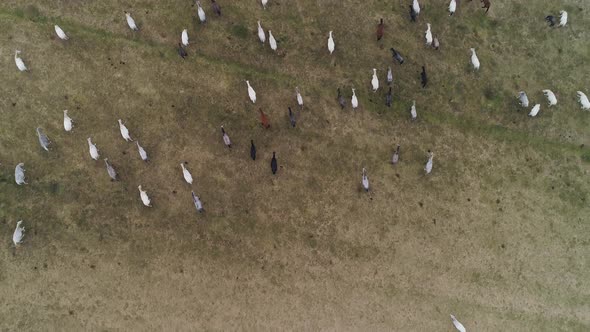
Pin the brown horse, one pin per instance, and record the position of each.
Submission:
(380, 29)
(486, 4)
(264, 120)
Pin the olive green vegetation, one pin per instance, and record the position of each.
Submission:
(497, 234)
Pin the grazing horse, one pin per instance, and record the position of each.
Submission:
(413, 14)
(181, 51)
(424, 77)
(395, 157)
(252, 150)
(197, 202)
(486, 4)
(273, 163)
(389, 98)
(216, 7)
(341, 100)
(397, 56)
(365, 180)
(292, 118)
(380, 29)
(389, 76)
(264, 120)
(226, 139)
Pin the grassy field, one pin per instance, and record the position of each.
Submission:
(498, 234)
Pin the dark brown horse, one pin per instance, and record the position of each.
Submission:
(380, 29)
(264, 120)
(486, 4)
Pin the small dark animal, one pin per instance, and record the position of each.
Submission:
(551, 20)
(486, 4)
(397, 56)
(292, 118)
(182, 51)
(273, 164)
(388, 98)
(424, 77)
(341, 100)
(412, 14)
(216, 7)
(252, 150)
(380, 28)
(264, 120)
